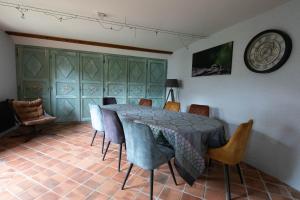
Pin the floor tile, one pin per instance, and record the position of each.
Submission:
(61, 164)
(110, 187)
(169, 193)
(196, 190)
(49, 196)
(81, 192)
(186, 196)
(97, 196)
(277, 189)
(65, 187)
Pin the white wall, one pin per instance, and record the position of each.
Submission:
(8, 85)
(272, 100)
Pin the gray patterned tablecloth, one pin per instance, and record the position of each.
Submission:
(188, 134)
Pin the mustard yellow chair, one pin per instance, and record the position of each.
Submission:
(172, 106)
(233, 152)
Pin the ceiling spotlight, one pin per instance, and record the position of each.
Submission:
(101, 15)
(22, 11)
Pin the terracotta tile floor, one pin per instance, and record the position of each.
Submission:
(61, 164)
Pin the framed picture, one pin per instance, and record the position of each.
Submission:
(213, 61)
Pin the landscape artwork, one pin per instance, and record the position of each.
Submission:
(213, 61)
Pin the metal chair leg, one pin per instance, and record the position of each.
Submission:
(151, 183)
(240, 173)
(33, 133)
(94, 138)
(120, 156)
(127, 175)
(227, 182)
(172, 172)
(106, 150)
(103, 140)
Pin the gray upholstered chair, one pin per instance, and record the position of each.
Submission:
(109, 100)
(143, 151)
(97, 122)
(113, 131)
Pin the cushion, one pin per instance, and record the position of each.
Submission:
(40, 120)
(7, 117)
(28, 110)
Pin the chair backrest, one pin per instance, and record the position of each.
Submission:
(141, 148)
(172, 106)
(109, 100)
(113, 126)
(237, 144)
(96, 117)
(199, 109)
(145, 102)
(28, 110)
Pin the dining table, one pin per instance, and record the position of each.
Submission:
(188, 134)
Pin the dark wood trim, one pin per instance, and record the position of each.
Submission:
(100, 44)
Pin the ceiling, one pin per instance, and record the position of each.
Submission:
(201, 17)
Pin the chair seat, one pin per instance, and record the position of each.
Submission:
(167, 152)
(41, 120)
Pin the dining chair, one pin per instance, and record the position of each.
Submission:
(109, 100)
(143, 151)
(172, 106)
(145, 102)
(199, 109)
(97, 122)
(233, 152)
(113, 131)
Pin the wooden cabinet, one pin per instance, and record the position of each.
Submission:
(137, 79)
(65, 85)
(157, 74)
(68, 81)
(33, 74)
(91, 81)
(115, 79)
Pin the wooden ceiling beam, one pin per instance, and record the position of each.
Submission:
(85, 42)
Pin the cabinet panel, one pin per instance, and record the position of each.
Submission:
(137, 78)
(65, 83)
(156, 91)
(136, 90)
(156, 77)
(91, 90)
(156, 71)
(85, 110)
(133, 101)
(116, 78)
(158, 103)
(67, 109)
(137, 70)
(91, 70)
(33, 74)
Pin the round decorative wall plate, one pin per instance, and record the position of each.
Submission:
(268, 51)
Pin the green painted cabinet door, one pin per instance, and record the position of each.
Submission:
(116, 78)
(65, 83)
(91, 73)
(156, 77)
(137, 78)
(33, 74)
